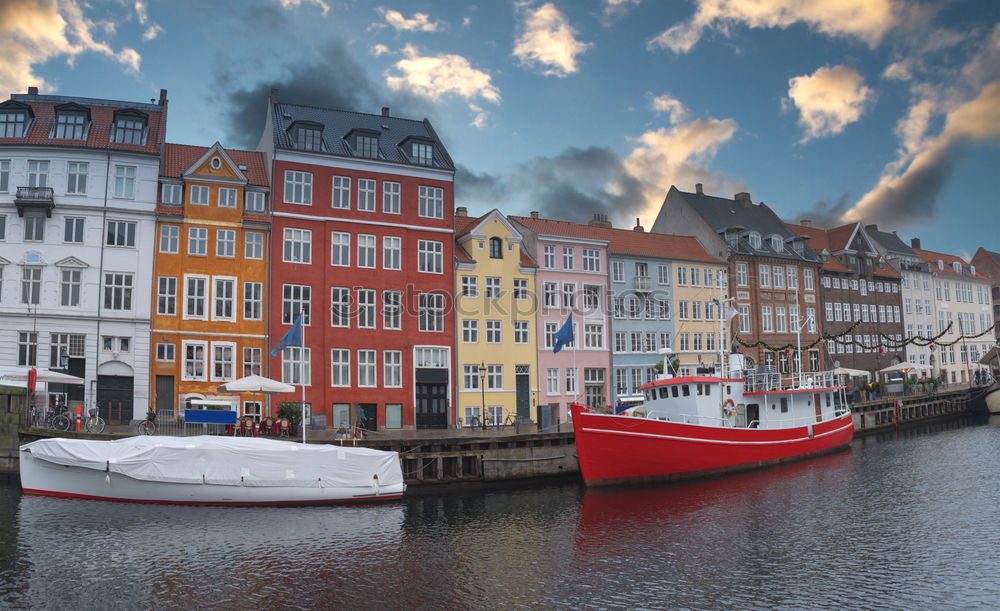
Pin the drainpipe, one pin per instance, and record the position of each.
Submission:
(100, 277)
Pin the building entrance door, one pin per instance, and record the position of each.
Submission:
(522, 393)
(432, 399)
(114, 398)
(165, 393)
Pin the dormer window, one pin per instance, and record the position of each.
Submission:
(731, 239)
(798, 246)
(366, 146)
(307, 136)
(956, 267)
(496, 248)
(777, 244)
(754, 239)
(14, 119)
(129, 127)
(72, 121)
(972, 270)
(941, 264)
(422, 153)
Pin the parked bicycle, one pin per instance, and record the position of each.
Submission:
(147, 426)
(51, 419)
(94, 423)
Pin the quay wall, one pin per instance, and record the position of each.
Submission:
(891, 412)
(9, 436)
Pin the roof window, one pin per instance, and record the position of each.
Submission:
(422, 153)
(307, 136)
(15, 118)
(72, 122)
(777, 243)
(366, 145)
(130, 127)
(754, 239)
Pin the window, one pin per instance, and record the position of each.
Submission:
(38, 173)
(366, 146)
(27, 348)
(807, 279)
(223, 361)
(663, 274)
(777, 244)
(12, 123)
(765, 275)
(550, 294)
(744, 318)
(430, 256)
(253, 295)
(129, 128)
(76, 177)
(341, 192)
(170, 194)
(340, 249)
(366, 308)
(366, 368)
(366, 195)
(118, 291)
(782, 325)
(166, 296)
(520, 332)
(197, 241)
(392, 309)
(520, 288)
(549, 257)
(494, 377)
(366, 250)
(470, 377)
(754, 238)
(695, 276)
(225, 243)
(550, 333)
(779, 277)
(121, 233)
(567, 253)
(308, 138)
(165, 352)
(593, 336)
(340, 367)
(295, 366)
(470, 331)
(571, 381)
(765, 313)
(492, 287)
(618, 271)
(251, 361)
(124, 181)
(392, 368)
(70, 125)
(591, 260)
(493, 333)
(430, 202)
(297, 246)
(70, 287)
(169, 238)
(298, 187)
(295, 298)
(195, 296)
(552, 381)
(390, 197)
(391, 246)
(569, 295)
(254, 247)
(254, 201)
(422, 153)
(34, 228)
(227, 197)
(73, 230)
(470, 286)
(592, 298)
(431, 311)
(682, 275)
(340, 307)
(4, 167)
(496, 248)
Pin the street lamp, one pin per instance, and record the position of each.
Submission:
(482, 388)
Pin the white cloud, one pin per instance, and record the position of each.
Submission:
(617, 7)
(828, 100)
(420, 22)
(867, 20)
(480, 119)
(666, 103)
(152, 32)
(898, 71)
(292, 4)
(140, 11)
(547, 40)
(466, 22)
(435, 76)
(379, 49)
(33, 32)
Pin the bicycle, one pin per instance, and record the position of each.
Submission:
(147, 426)
(94, 423)
(60, 421)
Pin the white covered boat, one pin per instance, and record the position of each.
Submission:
(209, 470)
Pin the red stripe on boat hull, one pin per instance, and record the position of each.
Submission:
(618, 449)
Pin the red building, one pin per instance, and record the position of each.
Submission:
(362, 242)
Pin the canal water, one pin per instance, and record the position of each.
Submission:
(900, 521)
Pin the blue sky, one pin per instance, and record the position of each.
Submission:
(881, 110)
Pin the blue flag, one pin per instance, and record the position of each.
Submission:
(293, 337)
(564, 335)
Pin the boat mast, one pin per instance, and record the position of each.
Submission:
(798, 337)
(723, 365)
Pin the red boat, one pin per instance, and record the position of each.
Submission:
(704, 425)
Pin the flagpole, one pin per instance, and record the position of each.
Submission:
(302, 380)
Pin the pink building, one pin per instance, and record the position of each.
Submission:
(572, 278)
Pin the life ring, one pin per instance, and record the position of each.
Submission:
(728, 406)
(728, 403)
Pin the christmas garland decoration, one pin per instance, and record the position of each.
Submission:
(889, 342)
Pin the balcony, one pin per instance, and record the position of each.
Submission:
(642, 284)
(34, 198)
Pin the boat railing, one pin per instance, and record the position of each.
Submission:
(772, 380)
(702, 420)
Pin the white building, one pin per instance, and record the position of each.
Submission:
(78, 190)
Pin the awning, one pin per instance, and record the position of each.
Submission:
(212, 402)
(47, 376)
(853, 373)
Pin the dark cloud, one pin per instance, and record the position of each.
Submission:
(826, 214)
(570, 186)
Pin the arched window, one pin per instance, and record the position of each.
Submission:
(754, 239)
(777, 243)
(496, 248)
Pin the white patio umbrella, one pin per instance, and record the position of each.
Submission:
(20, 374)
(257, 385)
(853, 373)
(903, 367)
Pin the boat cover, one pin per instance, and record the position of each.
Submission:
(226, 461)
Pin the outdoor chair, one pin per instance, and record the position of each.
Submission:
(285, 429)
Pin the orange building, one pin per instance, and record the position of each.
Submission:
(209, 321)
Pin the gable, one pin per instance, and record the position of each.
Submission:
(71, 262)
(216, 164)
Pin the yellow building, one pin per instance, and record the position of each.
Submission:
(495, 307)
(698, 285)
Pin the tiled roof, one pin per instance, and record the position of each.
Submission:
(464, 224)
(993, 255)
(890, 241)
(625, 241)
(178, 158)
(102, 116)
(393, 132)
(837, 237)
(817, 238)
(885, 270)
(933, 257)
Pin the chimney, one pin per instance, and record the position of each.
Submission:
(806, 223)
(461, 211)
(698, 189)
(914, 242)
(274, 95)
(32, 90)
(638, 227)
(534, 214)
(743, 199)
(163, 97)
(385, 111)
(600, 220)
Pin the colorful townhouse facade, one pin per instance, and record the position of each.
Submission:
(773, 275)
(963, 312)
(362, 238)
(496, 338)
(209, 319)
(987, 263)
(572, 279)
(78, 188)
(860, 298)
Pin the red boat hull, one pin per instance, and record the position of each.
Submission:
(618, 449)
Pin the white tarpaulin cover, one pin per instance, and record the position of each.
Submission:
(225, 461)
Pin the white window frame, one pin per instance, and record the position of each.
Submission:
(391, 197)
(340, 367)
(340, 197)
(199, 195)
(298, 188)
(296, 238)
(367, 250)
(170, 239)
(430, 202)
(367, 190)
(204, 360)
(392, 247)
(340, 249)
(189, 280)
(197, 236)
(231, 347)
(253, 299)
(430, 257)
(227, 197)
(225, 243)
(253, 245)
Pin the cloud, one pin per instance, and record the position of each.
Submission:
(436, 76)
(420, 22)
(379, 49)
(615, 8)
(672, 106)
(828, 100)
(898, 71)
(140, 11)
(866, 20)
(547, 40)
(293, 4)
(33, 32)
(152, 32)
(480, 119)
